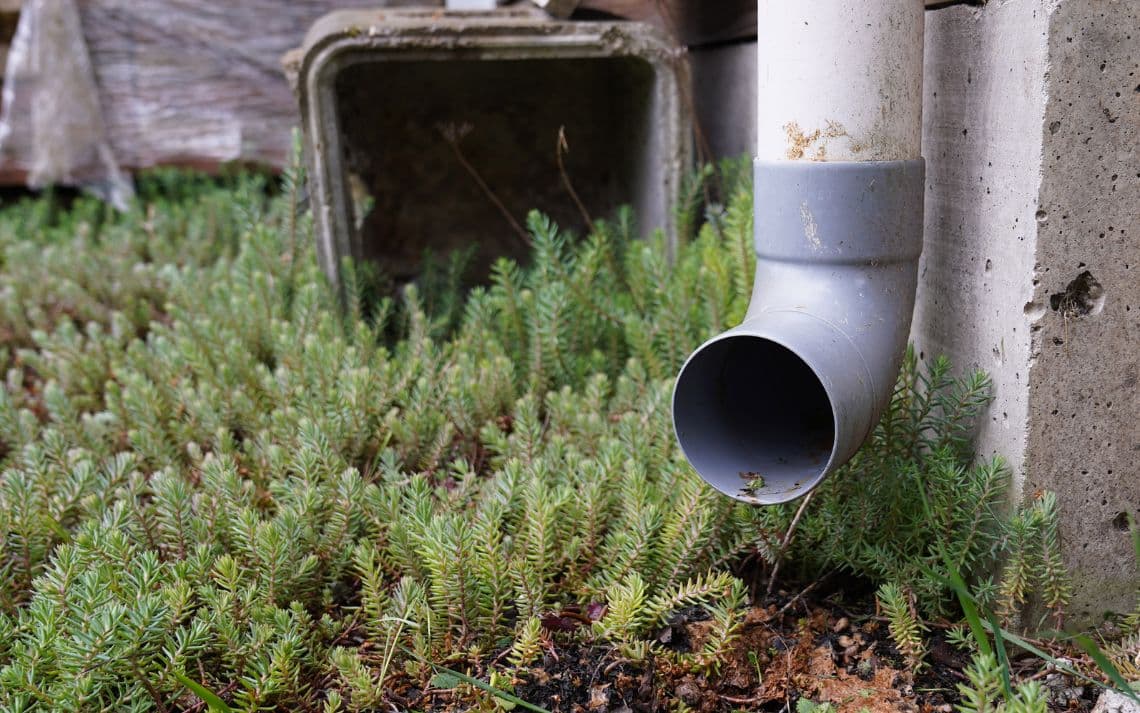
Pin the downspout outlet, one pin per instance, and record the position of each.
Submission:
(767, 410)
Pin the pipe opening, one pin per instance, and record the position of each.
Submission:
(754, 419)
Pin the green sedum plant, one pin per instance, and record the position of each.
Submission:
(905, 629)
(982, 693)
(214, 470)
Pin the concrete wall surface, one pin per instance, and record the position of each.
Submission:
(724, 95)
(1031, 266)
(1084, 416)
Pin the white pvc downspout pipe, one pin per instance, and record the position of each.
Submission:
(471, 5)
(767, 410)
(852, 64)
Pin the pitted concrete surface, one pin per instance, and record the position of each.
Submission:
(983, 107)
(1032, 138)
(1084, 395)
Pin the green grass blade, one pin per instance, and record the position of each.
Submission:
(1057, 663)
(1064, 667)
(447, 675)
(450, 678)
(955, 582)
(1089, 647)
(1002, 657)
(212, 700)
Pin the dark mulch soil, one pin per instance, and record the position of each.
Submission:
(824, 648)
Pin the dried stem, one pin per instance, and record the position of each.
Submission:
(453, 134)
(787, 540)
(563, 147)
(803, 593)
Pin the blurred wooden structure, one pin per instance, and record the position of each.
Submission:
(199, 82)
(193, 83)
(9, 16)
(691, 22)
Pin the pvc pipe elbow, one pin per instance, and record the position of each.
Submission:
(767, 410)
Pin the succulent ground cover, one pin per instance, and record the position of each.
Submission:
(221, 484)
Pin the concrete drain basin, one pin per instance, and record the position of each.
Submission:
(424, 129)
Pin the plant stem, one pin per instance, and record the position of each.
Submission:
(564, 147)
(787, 540)
(452, 137)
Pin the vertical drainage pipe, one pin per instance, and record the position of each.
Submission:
(767, 410)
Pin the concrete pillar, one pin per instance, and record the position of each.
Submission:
(1031, 267)
(724, 91)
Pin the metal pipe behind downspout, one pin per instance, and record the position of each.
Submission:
(767, 410)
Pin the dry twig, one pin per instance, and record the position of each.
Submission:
(787, 540)
(563, 147)
(453, 134)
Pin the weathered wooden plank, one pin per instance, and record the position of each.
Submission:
(9, 16)
(182, 82)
